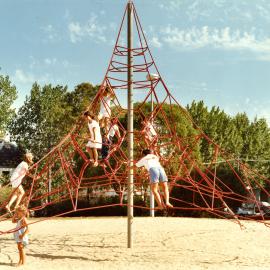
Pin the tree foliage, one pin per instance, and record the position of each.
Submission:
(50, 111)
(48, 114)
(80, 98)
(247, 141)
(8, 95)
(41, 121)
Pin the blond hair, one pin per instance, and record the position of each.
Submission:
(22, 208)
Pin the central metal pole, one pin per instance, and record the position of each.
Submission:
(152, 199)
(130, 123)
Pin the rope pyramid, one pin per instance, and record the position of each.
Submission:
(66, 171)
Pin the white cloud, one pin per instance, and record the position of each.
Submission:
(91, 28)
(26, 78)
(264, 57)
(151, 28)
(172, 5)
(219, 10)
(24, 81)
(22, 77)
(50, 61)
(33, 62)
(75, 32)
(194, 87)
(155, 42)
(263, 9)
(224, 38)
(50, 33)
(254, 108)
(40, 64)
(113, 26)
(161, 6)
(258, 109)
(66, 64)
(264, 113)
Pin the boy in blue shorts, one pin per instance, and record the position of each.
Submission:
(157, 175)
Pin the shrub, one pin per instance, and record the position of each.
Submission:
(4, 194)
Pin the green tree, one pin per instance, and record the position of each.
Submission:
(200, 115)
(237, 136)
(43, 120)
(81, 97)
(8, 95)
(257, 146)
(218, 127)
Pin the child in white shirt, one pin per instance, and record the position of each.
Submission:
(21, 233)
(16, 180)
(95, 140)
(108, 139)
(157, 175)
(105, 108)
(149, 132)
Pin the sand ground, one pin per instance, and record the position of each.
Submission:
(158, 243)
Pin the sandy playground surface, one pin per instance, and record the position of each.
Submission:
(159, 243)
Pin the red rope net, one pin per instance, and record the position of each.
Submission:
(66, 171)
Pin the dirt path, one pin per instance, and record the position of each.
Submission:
(159, 243)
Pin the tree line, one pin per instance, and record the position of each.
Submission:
(50, 111)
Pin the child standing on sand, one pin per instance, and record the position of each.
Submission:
(157, 175)
(21, 233)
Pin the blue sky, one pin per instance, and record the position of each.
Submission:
(215, 50)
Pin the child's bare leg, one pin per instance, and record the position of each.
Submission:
(165, 189)
(154, 188)
(106, 123)
(101, 122)
(95, 154)
(147, 141)
(21, 254)
(89, 150)
(12, 199)
(154, 147)
(20, 195)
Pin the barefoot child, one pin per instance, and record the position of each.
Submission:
(16, 180)
(107, 140)
(157, 175)
(95, 140)
(149, 132)
(21, 233)
(105, 108)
